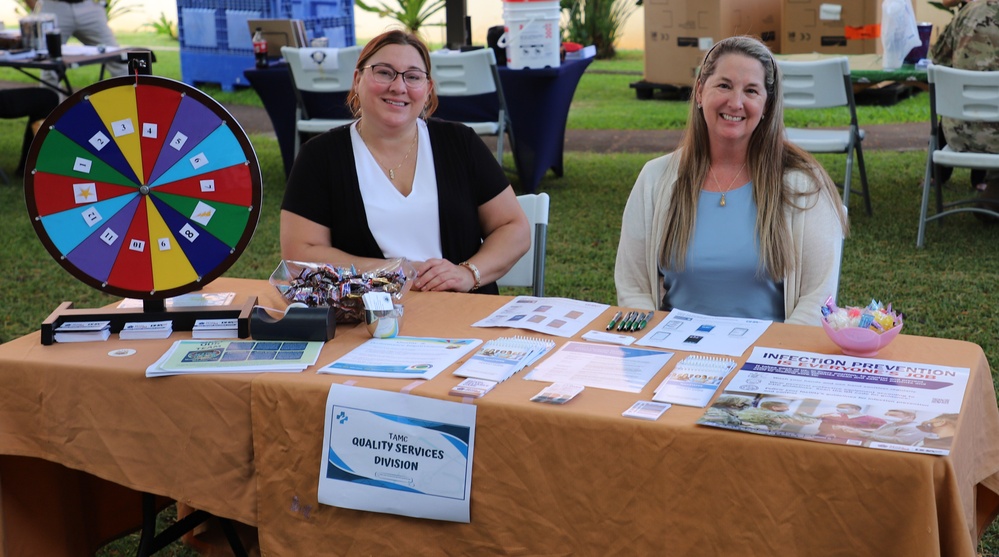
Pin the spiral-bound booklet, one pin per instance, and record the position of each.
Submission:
(694, 380)
(498, 359)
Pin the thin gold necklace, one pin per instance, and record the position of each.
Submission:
(721, 202)
(391, 171)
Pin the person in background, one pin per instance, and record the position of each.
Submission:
(87, 20)
(738, 221)
(395, 184)
(34, 102)
(970, 42)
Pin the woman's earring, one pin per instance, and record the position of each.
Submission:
(698, 106)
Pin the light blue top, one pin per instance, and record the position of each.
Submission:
(721, 273)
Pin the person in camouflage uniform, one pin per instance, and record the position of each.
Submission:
(971, 42)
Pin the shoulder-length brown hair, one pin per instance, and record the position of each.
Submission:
(769, 157)
(401, 38)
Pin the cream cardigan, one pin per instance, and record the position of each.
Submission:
(815, 232)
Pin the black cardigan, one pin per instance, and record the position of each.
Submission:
(323, 187)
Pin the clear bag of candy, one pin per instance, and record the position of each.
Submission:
(326, 285)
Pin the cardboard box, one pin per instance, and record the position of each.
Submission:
(831, 27)
(678, 33)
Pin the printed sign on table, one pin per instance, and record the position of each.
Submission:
(397, 453)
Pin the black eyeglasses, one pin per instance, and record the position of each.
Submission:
(385, 74)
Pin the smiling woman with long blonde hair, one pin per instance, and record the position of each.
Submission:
(737, 221)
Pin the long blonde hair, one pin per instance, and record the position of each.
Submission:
(769, 157)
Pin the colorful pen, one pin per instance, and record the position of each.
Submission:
(614, 321)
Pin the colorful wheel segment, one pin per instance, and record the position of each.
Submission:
(143, 187)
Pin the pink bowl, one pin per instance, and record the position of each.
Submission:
(865, 343)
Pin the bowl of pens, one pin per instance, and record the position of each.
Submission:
(862, 331)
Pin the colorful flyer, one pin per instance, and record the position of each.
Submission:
(834, 398)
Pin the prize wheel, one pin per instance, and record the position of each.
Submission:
(143, 187)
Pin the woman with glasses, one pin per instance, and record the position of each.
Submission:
(397, 184)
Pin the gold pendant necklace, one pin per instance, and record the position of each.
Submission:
(721, 202)
(391, 171)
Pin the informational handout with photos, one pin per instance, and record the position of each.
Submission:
(694, 332)
(235, 356)
(397, 453)
(561, 317)
(402, 357)
(833, 398)
(604, 366)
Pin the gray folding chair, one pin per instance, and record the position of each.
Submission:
(469, 91)
(962, 95)
(322, 79)
(530, 269)
(826, 84)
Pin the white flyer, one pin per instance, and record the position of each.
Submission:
(397, 453)
(694, 332)
(561, 317)
(604, 366)
(402, 357)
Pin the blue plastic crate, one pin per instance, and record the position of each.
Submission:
(215, 41)
(339, 30)
(306, 9)
(224, 69)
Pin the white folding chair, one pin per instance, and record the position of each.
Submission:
(962, 95)
(826, 84)
(322, 79)
(469, 91)
(530, 269)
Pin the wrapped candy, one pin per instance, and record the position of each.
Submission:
(342, 288)
(875, 316)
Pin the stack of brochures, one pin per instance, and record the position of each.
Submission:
(83, 331)
(499, 359)
(694, 380)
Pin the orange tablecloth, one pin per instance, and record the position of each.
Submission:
(573, 479)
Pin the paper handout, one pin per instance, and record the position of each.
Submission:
(402, 357)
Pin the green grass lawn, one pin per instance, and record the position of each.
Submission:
(946, 290)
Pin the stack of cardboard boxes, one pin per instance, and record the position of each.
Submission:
(678, 33)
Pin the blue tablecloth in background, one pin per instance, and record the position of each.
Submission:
(539, 107)
(275, 89)
(538, 101)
